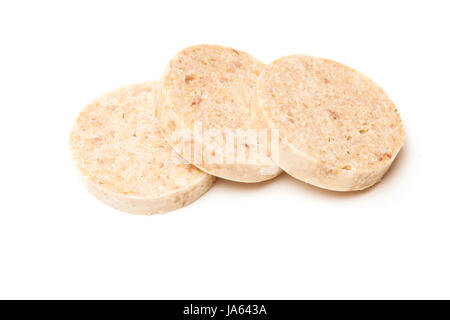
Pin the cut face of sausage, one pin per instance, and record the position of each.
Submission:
(338, 129)
(124, 160)
(205, 97)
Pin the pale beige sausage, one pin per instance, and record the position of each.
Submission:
(213, 86)
(123, 159)
(338, 129)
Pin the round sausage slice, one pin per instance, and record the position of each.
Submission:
(123, 159)
(204, 111)
(338, 129)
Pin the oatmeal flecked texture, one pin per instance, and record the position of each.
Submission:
(338, 129)
(213, 86)
(124, 160)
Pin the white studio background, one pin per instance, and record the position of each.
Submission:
(279, 239)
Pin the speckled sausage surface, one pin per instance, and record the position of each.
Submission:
(214, 86)
(124, 160)
(338, 129)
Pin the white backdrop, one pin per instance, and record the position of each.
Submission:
(279, 239)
